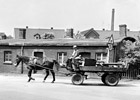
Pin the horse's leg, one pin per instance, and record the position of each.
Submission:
(29, 75)
(47, 73)
(53, 74)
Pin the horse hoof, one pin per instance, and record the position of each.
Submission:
(44, 81)
(33, 79)
(52, 82)
(29, 80)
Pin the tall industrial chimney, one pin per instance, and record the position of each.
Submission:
(112, 20)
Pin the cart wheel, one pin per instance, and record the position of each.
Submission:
(77, 79)
(111, 79)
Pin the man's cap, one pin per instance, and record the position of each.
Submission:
(75, 46)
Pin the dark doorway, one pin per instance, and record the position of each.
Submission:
(39, 55)
(85, 55)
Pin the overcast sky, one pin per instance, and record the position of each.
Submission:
(63, 14)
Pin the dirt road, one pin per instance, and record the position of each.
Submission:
(16, 87)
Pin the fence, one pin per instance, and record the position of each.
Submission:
(131, 73)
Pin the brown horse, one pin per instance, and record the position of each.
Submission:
(46, 65)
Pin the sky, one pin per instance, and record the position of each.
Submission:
(63, 14)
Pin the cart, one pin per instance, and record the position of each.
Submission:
(110, 73)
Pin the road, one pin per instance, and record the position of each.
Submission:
(16, 87)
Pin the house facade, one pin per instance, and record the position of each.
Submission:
(59, 49)
(91, 43)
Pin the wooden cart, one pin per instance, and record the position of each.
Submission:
(110, 72)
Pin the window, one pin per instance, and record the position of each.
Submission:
(37, 36)
(7, 56)
(22, 33)
(101, 57)
(62, 57)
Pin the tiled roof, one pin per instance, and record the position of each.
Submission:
(104, 34)
(55, 42)
(116, 34)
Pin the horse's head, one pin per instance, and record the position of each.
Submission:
(24, 59)
(18, 60)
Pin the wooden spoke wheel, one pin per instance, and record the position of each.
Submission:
(77, 79)
(111, 79)
(103, 78)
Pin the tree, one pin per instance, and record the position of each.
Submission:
(131, 53)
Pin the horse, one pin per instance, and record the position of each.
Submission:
(46, 65)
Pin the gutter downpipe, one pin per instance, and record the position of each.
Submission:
(22, 53)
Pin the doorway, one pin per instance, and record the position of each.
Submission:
(86, 55)
(40, 56)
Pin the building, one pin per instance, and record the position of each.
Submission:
(91, 44)
(60, 49)
(36, 33)
(2, 36)
(104, 34)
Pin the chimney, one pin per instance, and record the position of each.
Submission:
(51, 28)
(112, 20)
(69, 33)
(123, 30)
(27, 27)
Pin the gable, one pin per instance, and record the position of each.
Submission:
(91, 33)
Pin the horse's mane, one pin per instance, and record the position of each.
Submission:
(24, 58)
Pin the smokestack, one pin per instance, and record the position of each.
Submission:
(112, 20)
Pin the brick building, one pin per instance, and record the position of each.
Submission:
(29, 42)
(59, 49)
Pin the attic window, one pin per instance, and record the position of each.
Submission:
(48, 36)
(22, 33)
(37, 36)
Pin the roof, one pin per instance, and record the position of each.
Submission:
(106, 33)
(55, 42)
(2, 34)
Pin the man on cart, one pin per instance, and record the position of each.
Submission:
(76, 58)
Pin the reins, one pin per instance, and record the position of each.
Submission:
(41, 66)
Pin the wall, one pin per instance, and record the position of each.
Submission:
(4, 67)
(50, 53)
(58, 33)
